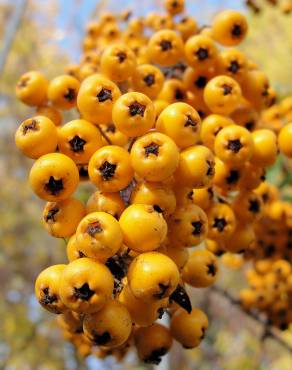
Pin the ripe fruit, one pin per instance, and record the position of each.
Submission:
(284, 140)
(85, 285)
(148, 281)
(36, 136)
(62, 91)
(143, 227)
(109, 327)
(54, 177)
(32, 88)
(47, 289)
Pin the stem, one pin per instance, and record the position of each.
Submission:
(104, 135)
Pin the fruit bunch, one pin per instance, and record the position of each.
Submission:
(256, 6)
(269, 291)
(168, 131)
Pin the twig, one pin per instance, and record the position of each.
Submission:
(268, 331)
(104, 135)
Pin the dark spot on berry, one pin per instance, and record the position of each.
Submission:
(111, 128)
(201, 113)
(77, 144)
(137, 109)
(236, 30)
(116, 266)
(50, 216)
(181, 297)
(211, 193)
(83, 172)
(54, 186)
(265, 197)
(179, 94)
(232, 177)
(219, 224)
(226, 89)
(107, 170)
(84, 292)
(152, 148)
(254, 206)
(47, 299)
(157, 208)
(269, 250)
(190, 195)
(121, 56)
(202, 53)
(23, 82)
(155, 356)
(162, 290)
(197, 227)
(165, 45)
(211, 269)
(70, 95)
(203, 333)
(234, 145)
(211, 168)
(201, 82)
(184, 20)
(149, 79)
(32, 126)
(160, 312)
(101, 339)
(249, 125)
(104, 94)
(81, 254)
(174, 4)
(234, 66)
(191, 122)
(94, 228)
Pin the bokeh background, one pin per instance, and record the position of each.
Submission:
(48, 37)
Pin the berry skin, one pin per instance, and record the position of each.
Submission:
(234, 145)
(241, 239)
(227, 177)
(110, 168)
(233, 63)
(133, 114)
(155, 194)
(200, 51)
(265, 148)
(154, 156)
(189, 329)
(181, 123)
(178, 255)
(118, 62)
(72, 251)
(36, 136)
(174, 7)
(143, 227)
(222, 221)
(114, 136)
(284, 140)
(147, 279)
(165, 48)
(201, 269)
(187, 27)
(229, 28)
(148, 79)
(62, 92)
(142, 314)
(99, 236)
(86, 285)
(248, 206)
(96, 97)
(196, 79)
(202, 198)
(47, 289)
(109, 327)
(222, 95)
(152, 343)
(50, 112)
(62, 218)
(111, 203)
(32, 88)
(196, 167)
(211, 126)
(189, 226)
(173, 90)
(54, 177)
(79, 139)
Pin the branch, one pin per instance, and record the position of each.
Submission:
(268, 330)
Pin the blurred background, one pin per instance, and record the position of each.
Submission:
(48, 36)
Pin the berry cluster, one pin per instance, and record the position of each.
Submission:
(169, 130)
(256, 6)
